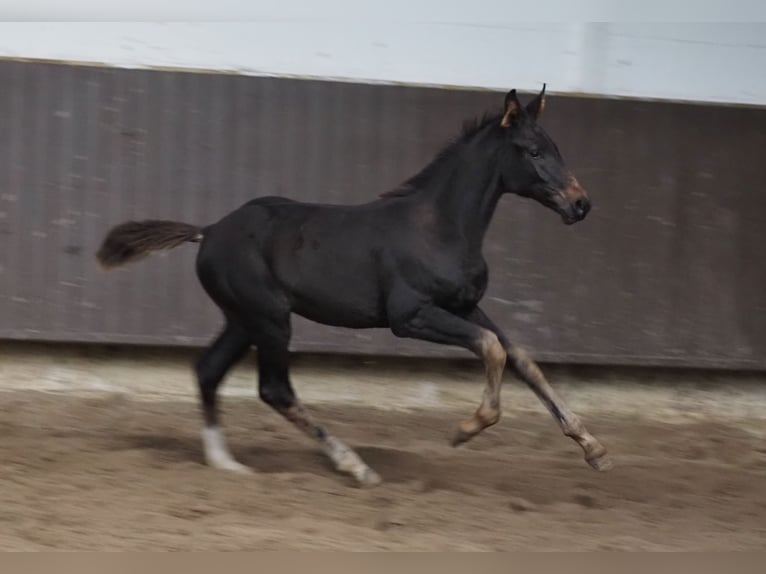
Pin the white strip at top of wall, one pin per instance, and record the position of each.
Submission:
(696, 62)
(485, 12)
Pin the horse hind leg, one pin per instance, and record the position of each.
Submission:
(211, 368)
(275, 390)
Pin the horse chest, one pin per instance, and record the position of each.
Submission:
(459, 286)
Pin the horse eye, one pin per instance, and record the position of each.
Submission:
(534, 152)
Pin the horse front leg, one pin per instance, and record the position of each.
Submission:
(431, 323)
(528, 371)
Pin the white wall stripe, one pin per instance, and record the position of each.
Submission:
(697, 62)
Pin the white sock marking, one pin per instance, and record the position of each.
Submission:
(217, 453)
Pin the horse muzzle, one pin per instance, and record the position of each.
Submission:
(574, 203)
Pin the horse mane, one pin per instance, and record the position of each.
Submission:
(414, 183)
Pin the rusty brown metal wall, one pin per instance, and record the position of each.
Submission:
(667, 270)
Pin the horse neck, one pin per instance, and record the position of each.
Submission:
(464, 191)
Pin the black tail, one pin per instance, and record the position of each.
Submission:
(135, 240)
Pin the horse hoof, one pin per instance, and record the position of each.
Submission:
(460, 437)
(601, 463)
(369, 478)
(232, 466)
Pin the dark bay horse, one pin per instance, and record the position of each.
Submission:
(410, 261)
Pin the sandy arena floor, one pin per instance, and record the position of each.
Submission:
(100, 451)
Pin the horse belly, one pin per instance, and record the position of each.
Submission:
(326, 262)
(334, 289)
(341, 307)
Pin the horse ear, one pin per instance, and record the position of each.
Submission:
(536, 106)
(512, 109)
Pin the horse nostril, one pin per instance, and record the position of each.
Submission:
(582, 206)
